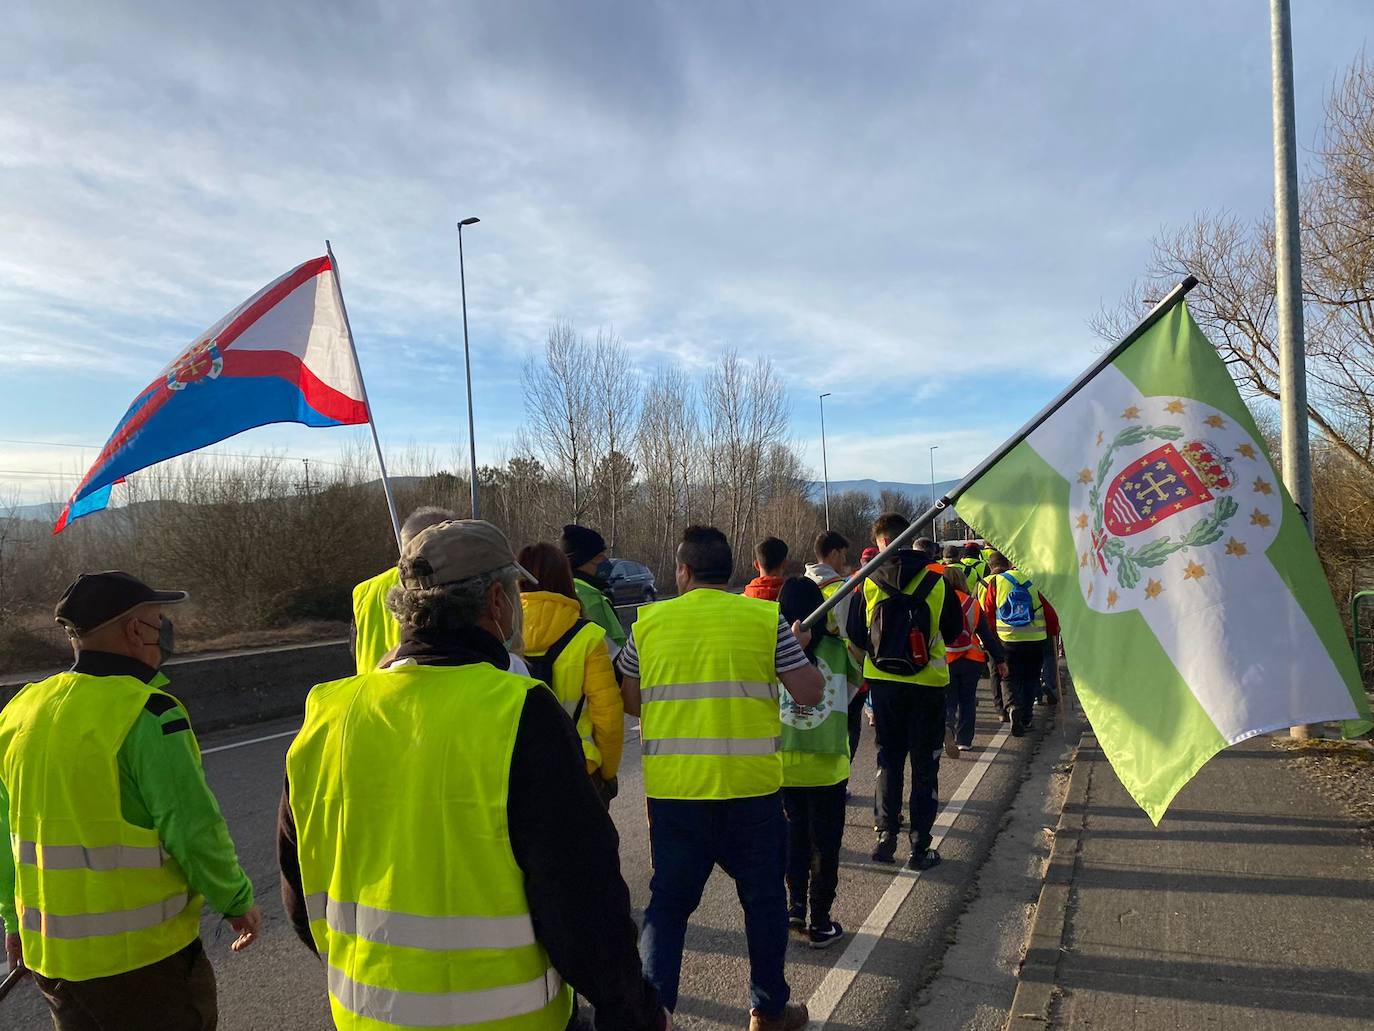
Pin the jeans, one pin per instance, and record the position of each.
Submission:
(745, 837)
(909, 719)
(815, 828)
(1025, 659)
(961, 698)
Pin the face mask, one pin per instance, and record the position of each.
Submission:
(514, 640)
(166, 637)
(604, 569)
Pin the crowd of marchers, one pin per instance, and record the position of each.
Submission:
(444, 835)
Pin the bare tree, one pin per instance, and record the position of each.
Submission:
(561, 408)
(616, 398)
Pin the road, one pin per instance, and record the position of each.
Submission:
(865, 981)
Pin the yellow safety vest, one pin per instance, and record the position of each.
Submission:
(709, 717)
(398, 786)
(377, 629)
(96, 895)
(936, 673)
(1036, 631)
(569, 675)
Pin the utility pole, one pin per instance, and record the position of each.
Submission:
(307, 475)
(467, 368)
(825, 465)
(1296, 458)
(934, 523)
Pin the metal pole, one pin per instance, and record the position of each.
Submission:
(1296, 459)
(933, 448)
(1161, 309)
(467, 369)
(825, 465)
(362, 385)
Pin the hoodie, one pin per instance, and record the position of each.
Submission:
(828, 580)
(765, 587)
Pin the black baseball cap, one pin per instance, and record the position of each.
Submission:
(94, 599)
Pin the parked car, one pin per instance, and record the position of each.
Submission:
(631, 582)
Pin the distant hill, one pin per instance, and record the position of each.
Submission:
(875, 488)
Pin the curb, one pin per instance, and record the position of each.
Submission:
(1035, 987)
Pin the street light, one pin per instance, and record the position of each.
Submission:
(467, 369)
(825, 467)
(934, 523)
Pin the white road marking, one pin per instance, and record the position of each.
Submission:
(250, 741)
(831, 990)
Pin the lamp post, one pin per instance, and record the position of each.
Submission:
(467, 369)
(934, 523)
(825, 466)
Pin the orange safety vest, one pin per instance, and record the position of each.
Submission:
(966, 645)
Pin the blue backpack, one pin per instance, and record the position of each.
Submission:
(1019, 608)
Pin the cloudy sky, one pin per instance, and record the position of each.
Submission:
(913, 203)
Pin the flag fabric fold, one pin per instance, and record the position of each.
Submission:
(1195, 611)
(284, 355)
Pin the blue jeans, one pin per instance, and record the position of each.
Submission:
(745, 837)
(961, 698)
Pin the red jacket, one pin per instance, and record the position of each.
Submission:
(990, 607)
(765, 587)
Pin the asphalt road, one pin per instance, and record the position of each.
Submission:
(865, 981)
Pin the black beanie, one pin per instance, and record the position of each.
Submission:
(581, 544)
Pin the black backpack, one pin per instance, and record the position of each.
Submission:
(541, 666)
(899, 631)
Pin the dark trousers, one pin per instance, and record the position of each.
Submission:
(745, 837)
(173, 994)
(815, 828)
(908, 720)
(961, 698)
(856, 721)
(1025, 659)
(1049, 670)
(1001, 702)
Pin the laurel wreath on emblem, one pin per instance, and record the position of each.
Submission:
(1129, 560)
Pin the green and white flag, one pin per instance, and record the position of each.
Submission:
(1195, 612)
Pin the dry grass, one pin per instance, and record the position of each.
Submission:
(1343, 771)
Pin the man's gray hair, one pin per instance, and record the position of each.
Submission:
(422, 519)
(455, 606)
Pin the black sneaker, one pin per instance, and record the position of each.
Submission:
(885, 851)
(823, 938)
(1052, 700)
(796, 918)
(1003, 716)
(923, 859)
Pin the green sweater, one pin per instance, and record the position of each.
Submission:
(162, 787)
(598, 608)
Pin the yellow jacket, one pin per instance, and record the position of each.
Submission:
(547, 617)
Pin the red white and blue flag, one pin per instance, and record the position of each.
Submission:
(284, 355)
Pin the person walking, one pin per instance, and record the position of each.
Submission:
(828, 572)
(815, 775)
(441, 847)
(968, 656)
(908, 708)
(569, 654)
(113, 836)
(375, 630)
(770, 563)
(975, 567)
(586, 551)
(1023, 619)
(702, 673)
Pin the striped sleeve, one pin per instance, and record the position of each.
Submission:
(628, 657)
(788, 655)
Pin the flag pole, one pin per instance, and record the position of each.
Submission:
(362, 385)
(1165, 305)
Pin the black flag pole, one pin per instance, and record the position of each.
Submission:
(1165, 305)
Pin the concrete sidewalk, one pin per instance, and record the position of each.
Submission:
(1251, 905)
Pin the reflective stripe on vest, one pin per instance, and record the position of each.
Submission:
(79, 857)
(96, 896)
(98, 925)
(376, 629)
(709, 699)
(1036, 631)
(443, 1009)
(971, 651)
(420, 924)
(936, 673)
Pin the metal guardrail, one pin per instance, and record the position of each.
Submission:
(1356, 603)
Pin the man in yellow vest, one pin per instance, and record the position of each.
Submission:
(908, 709)
(375, 630)
(702, 673)
(441, 845)
(113, 835)
(1025, 622)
